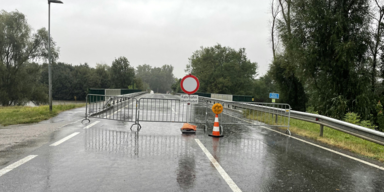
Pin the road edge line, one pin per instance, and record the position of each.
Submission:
(92, 124)
(16, 164)
(327, 149)
(218, 167)
(319, 146)
(64, 139)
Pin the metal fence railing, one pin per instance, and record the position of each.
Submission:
(222, 96)
(272, 114)
(121, 107)
(252, 113)
(349, 128)
(170, 110)
(130, 109)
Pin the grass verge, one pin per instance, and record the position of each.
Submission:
(23, 114)
(330, 136)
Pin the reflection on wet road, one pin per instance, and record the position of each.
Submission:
(110, 157)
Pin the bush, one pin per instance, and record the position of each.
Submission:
(311, 109)
(355, 119)
(380, 116)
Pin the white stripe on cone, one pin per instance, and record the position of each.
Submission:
(216, 128)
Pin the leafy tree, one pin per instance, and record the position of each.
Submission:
(176, 86)
(284, 69)
(335, 59)
(290, 88)
(326, 55)
(29, 87)
(84, 78)
(69, 81)
(144, 72)
(102, 71)
(18, 47)
(62, 80)
(223, 70)
(121, 73)
(263, 86)
(167, 78)
(159, 79)
(139, 84)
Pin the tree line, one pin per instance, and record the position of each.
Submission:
(24, 68)
(221, 70)
(328, 57)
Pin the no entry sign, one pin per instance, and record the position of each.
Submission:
(190, 84)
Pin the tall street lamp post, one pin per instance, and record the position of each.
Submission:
(49, 51)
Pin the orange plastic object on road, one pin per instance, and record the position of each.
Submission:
(188, 128)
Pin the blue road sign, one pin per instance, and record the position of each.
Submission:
(273, 95)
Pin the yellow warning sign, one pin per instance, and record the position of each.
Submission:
(217, 108)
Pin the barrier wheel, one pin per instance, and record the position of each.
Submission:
(85, 120)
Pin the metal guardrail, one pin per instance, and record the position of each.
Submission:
(349, 128)
(222, 96)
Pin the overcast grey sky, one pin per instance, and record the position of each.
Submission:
(151, 32)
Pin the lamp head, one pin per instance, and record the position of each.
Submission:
(55, 1)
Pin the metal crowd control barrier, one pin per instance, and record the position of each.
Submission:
(170, 110)
(121, 108)
(129, 109)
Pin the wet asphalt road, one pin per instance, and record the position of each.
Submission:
(110, 157)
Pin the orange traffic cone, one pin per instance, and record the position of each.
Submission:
(216, 128)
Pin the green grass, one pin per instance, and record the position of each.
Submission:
(330, 136)
(23, 115)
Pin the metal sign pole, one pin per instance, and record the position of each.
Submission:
(188, 111)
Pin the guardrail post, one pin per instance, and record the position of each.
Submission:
(321, 130)
(276, 118)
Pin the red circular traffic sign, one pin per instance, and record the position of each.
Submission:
(190, 84)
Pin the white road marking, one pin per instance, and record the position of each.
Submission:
(330, 150)
(342, 154)
(16, 164)
(64, 139)
(70, 123)
(222, 172)
(92, 124)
